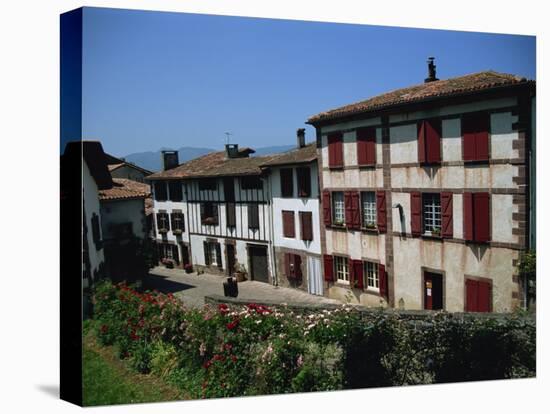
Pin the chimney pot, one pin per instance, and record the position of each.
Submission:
(431, 71)
(170, 159)
(301, 137)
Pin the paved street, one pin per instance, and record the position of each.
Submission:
(192, 288)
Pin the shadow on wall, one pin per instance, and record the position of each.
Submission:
(478, 250)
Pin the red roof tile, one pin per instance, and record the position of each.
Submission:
(124, 189)
(294, 156)
(442, 88)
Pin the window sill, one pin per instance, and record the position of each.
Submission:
(336, 167)
(431, 237)
(163, 231)
(474, 162)
(337, 227)
(373, 230)
(366, 166)
(430, 163)
(177, 231)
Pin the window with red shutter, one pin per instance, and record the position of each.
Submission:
(358, 273)
(476, 217)
(478, 296)
(304, 181)
(297, 266)
(383, 278)
(429, 141)
(335, 150)
(481, 217)
(306, 225)
(288, 224)
(447, 215)
(475, 137)
(287, 182)
(328, 265)
(381, 217)
(366, 146)
(327, 212)
(355, 211)
(348, 209)
(416, 213)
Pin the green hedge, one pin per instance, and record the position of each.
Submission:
(222, 351)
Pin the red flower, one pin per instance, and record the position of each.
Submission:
(228, 347)
(233, 324)
(104, 328)
(233, 358)
(223, 308)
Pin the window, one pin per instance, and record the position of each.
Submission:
(287, 182)
(207, 184)
(431, 207)
(306, 225)
(335, 150)
(327, 211)
(478, 296)
(169, 251)
(341, 269)
(253, 216)
(366, 146)
(288, 224)
(231, 216)
(429, 141)
(209, 213)
(476, 217)
(253, 182)
(293, 269)
(163, 224)
(338, 210)
(304, 181)
(212, 253)
(475, 137)
(371, 272)
(178, 224)
(368, 207)
(160, 191)
(175, 190)
(96, 231)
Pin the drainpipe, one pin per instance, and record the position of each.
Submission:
(271, 232)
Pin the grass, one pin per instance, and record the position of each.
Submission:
(108, 380)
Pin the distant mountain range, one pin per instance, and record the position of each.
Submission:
(150, 160)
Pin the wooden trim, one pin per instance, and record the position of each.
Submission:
(423, 270)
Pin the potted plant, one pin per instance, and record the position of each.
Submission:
(188, 268)
(370, 226)
(240, 272)
(436, 232)
(168, 263)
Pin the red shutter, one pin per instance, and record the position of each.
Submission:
(416, 213)
(484, 296)
(306, 226)
(351, 270)
(481, 217)
(335, 150)
(355, 211)
(366, 146)
(297, 266)
(327, 214)
(288, 261)
(475, 133)
(381, 218)
(288, 224)
(358, 273)
(329, 267)
(447, 215)
(348, 208)
(468, 216)
(383, 278)
(471, 295)
(433, 140)
(421, 130)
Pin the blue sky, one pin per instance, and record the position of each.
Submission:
(153, 79)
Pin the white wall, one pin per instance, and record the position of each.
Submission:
(91, 206)
(296, 204)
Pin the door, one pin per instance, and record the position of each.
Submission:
(433, 291)
(257, 256)
(478, 296)
(230, 251)
(314, 276)
(184, 254)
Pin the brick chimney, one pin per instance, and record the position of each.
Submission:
(301, 137)
(431, 71)
(170, 159)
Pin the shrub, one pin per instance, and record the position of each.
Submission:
(223, 351)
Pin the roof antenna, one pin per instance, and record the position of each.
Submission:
(431, 70)
(227, 134)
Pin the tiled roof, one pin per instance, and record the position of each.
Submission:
(215, 164)
(113, 167)
(294, 156)
(438, 89)
(124, 189)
